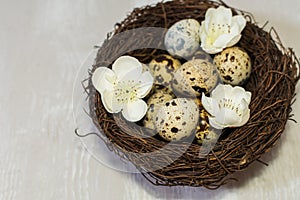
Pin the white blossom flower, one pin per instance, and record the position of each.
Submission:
(123, 87)
(220, 29)
(228, 106)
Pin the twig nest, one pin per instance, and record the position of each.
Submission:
(194, 77)
(234, 65)
(177, 119)
(182, 39)
(155, 102)
(162, 68)
(272, 83)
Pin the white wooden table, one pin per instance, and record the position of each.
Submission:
(42, 46)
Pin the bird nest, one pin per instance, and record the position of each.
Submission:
(272, 83)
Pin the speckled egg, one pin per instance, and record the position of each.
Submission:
(155, 101)
(194, 77)
(202, 55)
(204, 132)
(182, 38)
(162, 68)
(177, 119)
(198, 102)
(145, 68)
(234, 65)
(207, 137)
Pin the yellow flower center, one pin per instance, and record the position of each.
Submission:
(215, 30)
(125, 91)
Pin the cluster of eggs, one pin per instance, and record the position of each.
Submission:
(233, 63)
(174, 107)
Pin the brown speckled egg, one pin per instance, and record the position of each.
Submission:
(145, 68)
(198, 102)
(162, 68)
(208, 137)
(204, 131)
(194, 77)
(202, 55)
(234, 65)
(155, 101)
(177, 119)
(205, 134)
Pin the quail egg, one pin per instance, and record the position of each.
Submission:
(145, 68)
(198, 102)
(177, 119)
(159, 88)
(202, 55)
(205, 133)
(234, 65)
(182, 38)
(162, 68)
(155, 101)
(194, 77)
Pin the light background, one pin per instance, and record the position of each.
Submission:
(42, 46)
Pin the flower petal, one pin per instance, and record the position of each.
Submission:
(208, 48)
(222, 15)
(103, 78)
(214, 123)
(234, 40)
(135, 111)
(228, 106)
(132, 74)
(240, 21)
(220, 29)
(223, 40)
(238, 93)
(227, 117)
(221, 91)
(210, 105)
(248, 97)
(208, 15)
(244, 119)
(146, 83)
(235, 29)
(127, 66)
(110, 103)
